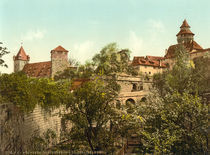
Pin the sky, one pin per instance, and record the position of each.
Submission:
(84, 27)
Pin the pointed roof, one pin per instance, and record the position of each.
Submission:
(185, 24)
(186, 30)
(22, 55)
(59, 49)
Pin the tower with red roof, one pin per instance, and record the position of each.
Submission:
(185, 35)
(59, 60)
(20, 60)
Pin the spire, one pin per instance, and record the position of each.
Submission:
(185, 24)
(21, 55)
(185, 35)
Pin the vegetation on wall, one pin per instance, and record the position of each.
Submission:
(26, 92)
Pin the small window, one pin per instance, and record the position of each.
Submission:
(134, 87)
(149, 72)
(141, 87)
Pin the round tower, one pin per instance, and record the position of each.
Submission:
(59, 60)
(185, 35)
(20, 60)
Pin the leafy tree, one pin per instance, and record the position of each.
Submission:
(174, 116)
(186, 75)
(96, 122)
(109, 62)
(176, 123)
(92, 113)
(3, 51)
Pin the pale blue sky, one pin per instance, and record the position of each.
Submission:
(146, 27)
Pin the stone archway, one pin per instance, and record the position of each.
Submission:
(130, 101)
(143, 99)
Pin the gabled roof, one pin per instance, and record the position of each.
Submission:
(59, 49)
(148, 61)
(185, 24)
(21, 55)
(40, 69)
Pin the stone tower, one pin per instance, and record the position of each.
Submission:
(185, 35)
(59, 60)
(20, 60)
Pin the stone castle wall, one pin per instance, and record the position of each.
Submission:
(17, 128)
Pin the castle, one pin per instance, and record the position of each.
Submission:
(132, 88)
(58, 63)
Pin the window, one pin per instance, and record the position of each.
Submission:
(134, 87)
(149, 72)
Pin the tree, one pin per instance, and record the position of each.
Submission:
(92, 111)
(186, 75)
(176, 124)
(3, 51)
(109, 62)
(174, 118)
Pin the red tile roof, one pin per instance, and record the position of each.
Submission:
(189, 47)
(185, 31)
(41, 69)
(155, 57)
(148, 61)
(59, 49)
(22, 55)
(185, 24)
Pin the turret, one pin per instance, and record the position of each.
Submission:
(20, 60)
(185, 35)
(59, 60)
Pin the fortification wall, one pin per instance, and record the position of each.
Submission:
(17, 129)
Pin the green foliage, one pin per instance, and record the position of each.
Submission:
(185, 76)
(111, 60)
(27, 92)
(175, 119)
(3, 51)
(91, 112)
(176, 123)
(96, 121)
(108, 62)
